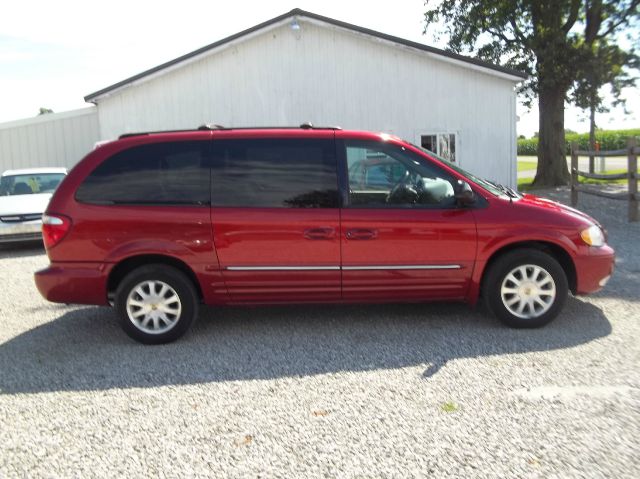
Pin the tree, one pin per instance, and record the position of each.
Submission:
(45, 111)
(545, 39)
(603, 64)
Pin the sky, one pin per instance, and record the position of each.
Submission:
(52, 54)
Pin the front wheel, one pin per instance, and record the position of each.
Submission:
(156, 303)
(526, 288)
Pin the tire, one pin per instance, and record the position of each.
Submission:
(525, 288)
(156, 304)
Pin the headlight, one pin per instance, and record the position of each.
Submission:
(593, 236)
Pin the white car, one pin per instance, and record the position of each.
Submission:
(24, 195)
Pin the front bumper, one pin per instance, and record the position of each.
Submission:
(593, 268)
(25, 231)
(74, 283)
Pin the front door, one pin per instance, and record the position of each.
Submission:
(275, 217)
(403, 236)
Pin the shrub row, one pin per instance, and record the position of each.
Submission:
(609, 140)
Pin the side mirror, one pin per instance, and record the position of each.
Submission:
(463, 193)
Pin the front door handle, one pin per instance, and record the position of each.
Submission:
(319, 233)
(361, 234)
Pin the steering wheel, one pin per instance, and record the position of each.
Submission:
(402, 191)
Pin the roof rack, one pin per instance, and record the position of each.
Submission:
(211, 127)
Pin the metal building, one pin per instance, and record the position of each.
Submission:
(302, 67)
(54, 139)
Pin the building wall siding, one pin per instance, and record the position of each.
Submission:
(56, 139)
(328, 76)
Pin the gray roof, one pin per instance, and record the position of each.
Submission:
(302, 13)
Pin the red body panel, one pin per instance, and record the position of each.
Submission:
(282, 237)
(432, 239)
(452, 245)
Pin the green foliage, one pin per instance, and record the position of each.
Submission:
(44, 111)
(553, 41)
(449, 406)
(608, 139)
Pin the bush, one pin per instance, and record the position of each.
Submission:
(609, 140)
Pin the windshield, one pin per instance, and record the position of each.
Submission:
(484, 183)
(30, 184)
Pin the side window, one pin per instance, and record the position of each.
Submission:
(275, 173)
(384, 175)
(158, 173)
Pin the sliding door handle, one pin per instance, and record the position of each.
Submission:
(319, 233)
(361, 234)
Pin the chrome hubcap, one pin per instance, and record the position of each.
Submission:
(528, 291)
(153, 307)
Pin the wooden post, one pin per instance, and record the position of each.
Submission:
(633, 180)
(574, 173)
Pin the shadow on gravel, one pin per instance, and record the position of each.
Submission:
(85, 349)
(19, 250)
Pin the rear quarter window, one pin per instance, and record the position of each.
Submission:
(169, 173)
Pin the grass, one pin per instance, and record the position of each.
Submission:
(589, 181)
(524, 184)
(527, 165)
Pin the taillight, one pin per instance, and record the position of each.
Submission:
(54, 228)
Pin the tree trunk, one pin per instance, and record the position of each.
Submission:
(552, 162)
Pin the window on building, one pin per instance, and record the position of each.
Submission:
(442, 144)
(276, 173)
(159, 173)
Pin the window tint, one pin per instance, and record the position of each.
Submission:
(289, 173)
(30, 183)
(159, 173)
(383, 175)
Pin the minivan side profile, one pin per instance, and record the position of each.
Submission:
(158, 223)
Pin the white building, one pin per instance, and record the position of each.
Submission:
(54, 139)
(302, 67)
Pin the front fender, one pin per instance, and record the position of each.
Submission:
(492, 243)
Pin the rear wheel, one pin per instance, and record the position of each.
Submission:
(156, 304)
(525, 288)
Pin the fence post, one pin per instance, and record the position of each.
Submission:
(632, 171)
(574, 173)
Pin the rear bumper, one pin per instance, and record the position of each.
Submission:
(74, 283)
(10, 232)
(593, 269)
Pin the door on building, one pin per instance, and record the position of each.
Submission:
(402, 234)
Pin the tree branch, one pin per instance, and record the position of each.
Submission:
(501, 36)
(573, 16)
(623, 18)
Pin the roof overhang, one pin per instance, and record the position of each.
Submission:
(274, 23)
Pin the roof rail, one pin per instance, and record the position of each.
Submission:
(211, 127)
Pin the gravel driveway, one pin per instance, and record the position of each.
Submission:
(354, 391)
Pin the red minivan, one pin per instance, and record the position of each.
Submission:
(158, 223)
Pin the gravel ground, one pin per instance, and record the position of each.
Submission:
(355, 391)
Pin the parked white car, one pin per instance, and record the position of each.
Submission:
(24, 195)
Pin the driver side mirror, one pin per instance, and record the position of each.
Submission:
(463, 193)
